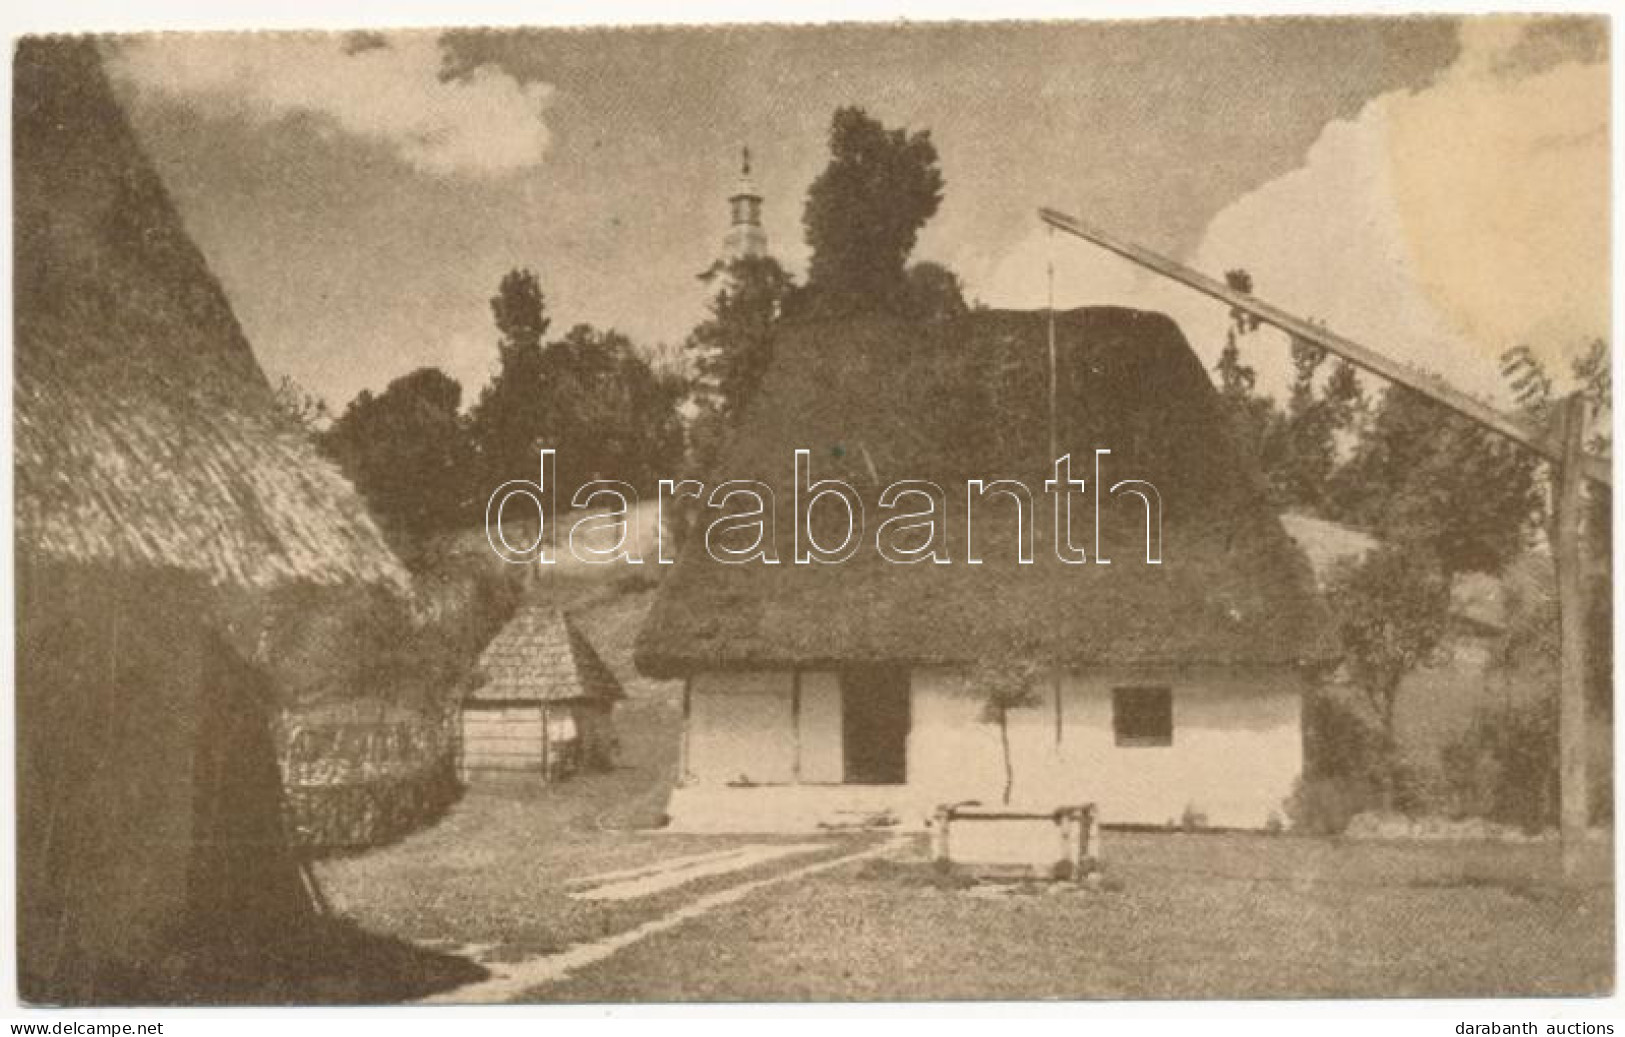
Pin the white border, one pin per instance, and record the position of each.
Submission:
(1226, 1018)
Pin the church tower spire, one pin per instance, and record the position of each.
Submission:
(745, 239)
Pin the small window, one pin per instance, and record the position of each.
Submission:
(1143, 716)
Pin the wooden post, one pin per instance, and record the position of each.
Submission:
(546, 748)
(1054, 430)
(941, 853)
(1060, 720)
(1569, 558)
(1054, 438)
(682, 754)
(795, 725)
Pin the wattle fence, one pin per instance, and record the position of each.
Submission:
(360, 774)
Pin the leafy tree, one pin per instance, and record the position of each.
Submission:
(1253, 417)
(591, 396)
(521, 316)
(933, 293)
(1296, 446)
(1392, 609)
(1532, 627)
(732, 348)
(1420, 471)
(865, 210)
(608, 413)
(406, 450)
(508, 424)
(1004, 684)
(1303, 438)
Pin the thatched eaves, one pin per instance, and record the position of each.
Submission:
(146, 434)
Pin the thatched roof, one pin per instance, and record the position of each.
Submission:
(540, 656)
(877, 401)
(145, 432)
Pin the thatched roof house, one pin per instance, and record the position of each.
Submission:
(145, 431)
(787, 663)
(542, 702)
(158, 492)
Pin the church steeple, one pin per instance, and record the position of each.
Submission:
(745, 239)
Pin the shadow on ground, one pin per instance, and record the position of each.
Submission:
(332, 961)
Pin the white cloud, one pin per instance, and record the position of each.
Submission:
(486, 123)
(1441, 226)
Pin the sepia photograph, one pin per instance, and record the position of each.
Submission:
(1087, 510)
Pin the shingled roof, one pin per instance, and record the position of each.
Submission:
(145, 431)
(876, 400)
(540, 656)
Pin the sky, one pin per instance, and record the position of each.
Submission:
(1435, 186)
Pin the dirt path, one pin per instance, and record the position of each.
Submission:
(509, 980)
(680, 871)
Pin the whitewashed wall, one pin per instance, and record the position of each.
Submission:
(1237, 748)
(740, 728)
(822, 760)
(1237, 743)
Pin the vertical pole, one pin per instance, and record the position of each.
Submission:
(940, 851)
(795, 724)
(1572, 619)
(682, 756)
(1054, 450)
(547, 748)
(1060, 721)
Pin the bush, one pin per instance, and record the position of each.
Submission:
(1341, 739)
(1504, 767)
(1324, 806)
(1194, 819)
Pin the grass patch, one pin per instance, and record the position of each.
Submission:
(913, 874)
(1225, 916)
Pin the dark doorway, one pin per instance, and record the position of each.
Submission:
(874, 725)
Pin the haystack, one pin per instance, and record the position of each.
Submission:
(159, 496)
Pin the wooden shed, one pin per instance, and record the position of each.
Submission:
(160, 497)
(543, 703)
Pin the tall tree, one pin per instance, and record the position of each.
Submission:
(1304, 440)
(865, 210)
(731, 349)
(1422, 472)
(520, 311)
(1253, 417)
(1535, 627)
(1392, 609)
(508, 423)
(1296, 446)
(610, 415)
(407, 451)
